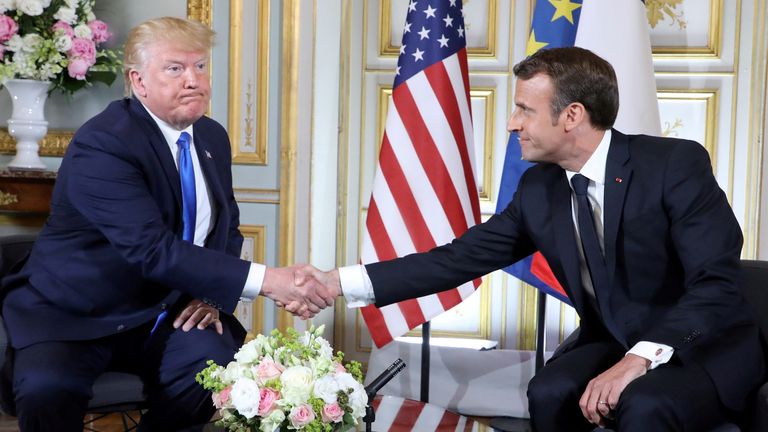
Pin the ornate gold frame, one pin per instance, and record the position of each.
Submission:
(714, 41)
(255, 134)
(386, 49)
(258, 234)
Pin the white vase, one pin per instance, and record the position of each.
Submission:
(27, 123)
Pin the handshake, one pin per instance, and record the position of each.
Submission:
(301, 289)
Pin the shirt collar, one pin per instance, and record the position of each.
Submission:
(170, 133)
(594, 168)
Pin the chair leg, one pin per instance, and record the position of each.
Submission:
(128, 418)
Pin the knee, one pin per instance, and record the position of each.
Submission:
(546, 391)
(638, 404)
(46, 391)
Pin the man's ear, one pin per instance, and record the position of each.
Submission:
(574, 115)
(137, 83)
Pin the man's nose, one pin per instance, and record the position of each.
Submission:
(513, 125)
(191, 80)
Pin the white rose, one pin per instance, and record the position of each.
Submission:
(233, 372)
(245, 397)
(296, 384)
(30, 7)
(66, 14)
(31, 41)
(326, 389)
(63, 43)
(325, 349)
(252, 351)
(358, 399)
(272, 421)
(83, 31)
(90, 16)
(72, 3)
(6, 5)
(15, 43)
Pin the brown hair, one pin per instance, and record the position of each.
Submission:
(578, 75)
(192, 35)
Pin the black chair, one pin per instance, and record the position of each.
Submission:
(755, 287)
(113, 392)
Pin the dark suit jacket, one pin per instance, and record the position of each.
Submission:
(110, 256)
(672, 247)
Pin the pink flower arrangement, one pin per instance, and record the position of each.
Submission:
(287, 383)
(57, 41)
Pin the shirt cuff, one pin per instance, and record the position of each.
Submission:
(356, 286)
(657, 354)
(253, 282)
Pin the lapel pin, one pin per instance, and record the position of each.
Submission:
(617, 179)
(208, 154)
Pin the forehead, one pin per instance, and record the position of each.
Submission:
(538, 87)
(165, 51)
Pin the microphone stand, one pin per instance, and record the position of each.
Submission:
(371, 389)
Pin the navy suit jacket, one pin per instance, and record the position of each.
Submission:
(110, 256)
(672, 247)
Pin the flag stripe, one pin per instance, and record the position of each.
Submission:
(428, 90)
(406, 204)
(458, 115)
(429, 156)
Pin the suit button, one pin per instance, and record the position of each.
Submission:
(120, 327)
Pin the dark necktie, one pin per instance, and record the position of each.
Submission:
(188, 200)
(188, 196)
(589, 240)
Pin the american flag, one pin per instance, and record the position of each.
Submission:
(424, 193)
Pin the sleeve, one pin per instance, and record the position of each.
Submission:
(489, 246)
(107, 185)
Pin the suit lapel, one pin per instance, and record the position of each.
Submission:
(565, 239)
(617, 178)
(160, 147)
(205, 155)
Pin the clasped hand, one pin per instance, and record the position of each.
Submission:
(302, 289)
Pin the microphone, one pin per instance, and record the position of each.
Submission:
(381, 380)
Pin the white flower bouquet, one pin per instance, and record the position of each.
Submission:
(287, 382)
(55, 40)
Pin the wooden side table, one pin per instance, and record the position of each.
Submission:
(26, 192)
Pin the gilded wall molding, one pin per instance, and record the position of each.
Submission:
(200, 10)
(255, 235)
(289, 141)
(248, 131)
(54, 144)
(714, 38)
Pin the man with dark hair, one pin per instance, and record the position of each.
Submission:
(642, 239)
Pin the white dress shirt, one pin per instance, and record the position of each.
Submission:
(206, 213)
(358, 289)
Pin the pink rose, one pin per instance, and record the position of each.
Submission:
(221, 399)
(100, 31)
(8, 28)
(339, 368)
(332, 413)
(83, 49)
(268, 370)
(301, 415)
(64, 27)
(2, 51)
(267, 401)
(77, 68)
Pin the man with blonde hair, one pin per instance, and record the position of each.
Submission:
(137, 267)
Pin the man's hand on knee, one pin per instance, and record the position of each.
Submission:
(603, 392)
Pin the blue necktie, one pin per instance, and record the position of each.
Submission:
(188, 199)
(188, 196)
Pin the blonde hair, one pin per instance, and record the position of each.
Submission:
(190, 35)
